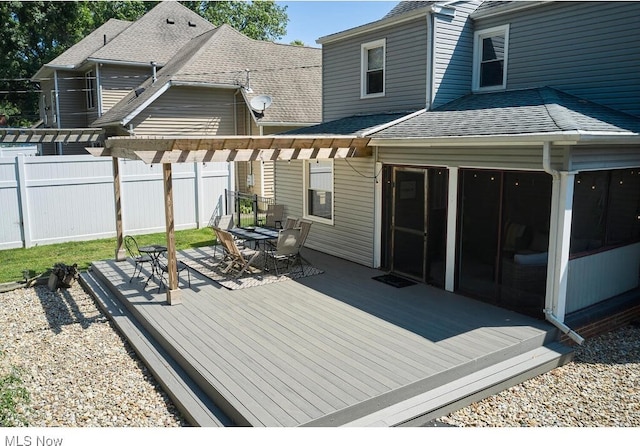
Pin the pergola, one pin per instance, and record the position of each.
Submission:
(185, 149)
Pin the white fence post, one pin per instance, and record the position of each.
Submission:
(199, 190)
(25, 221)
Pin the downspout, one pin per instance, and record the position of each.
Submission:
(548, 312)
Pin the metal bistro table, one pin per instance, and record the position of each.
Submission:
(154, 251)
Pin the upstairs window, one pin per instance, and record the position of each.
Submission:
(373, 66)
(90, 89)
(490, 58)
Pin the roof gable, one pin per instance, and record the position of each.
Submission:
(156, 36)
(290, 74)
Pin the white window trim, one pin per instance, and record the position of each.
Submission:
(305, 194)
(477, 56)
(363, 68)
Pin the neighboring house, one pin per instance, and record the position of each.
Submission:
(218, 85)
(93, 75)
(506, 161)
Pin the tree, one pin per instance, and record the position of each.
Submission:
(36, 32)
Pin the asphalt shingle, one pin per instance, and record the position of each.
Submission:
(536, 110)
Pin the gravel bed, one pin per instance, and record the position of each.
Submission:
(81, 373)
(77, 369)
(599, 388)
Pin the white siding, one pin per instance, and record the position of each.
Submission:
(597, 277)
(188, 111)
(116, 81)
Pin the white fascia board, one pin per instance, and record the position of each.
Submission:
(508, 7)
(380, 24)
(122, 62)
(203, 85)
(146, 103)
(563, 138)
(287, 124)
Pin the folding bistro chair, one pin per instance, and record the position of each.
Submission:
(163, 265)
(241, 260)
(140, 259)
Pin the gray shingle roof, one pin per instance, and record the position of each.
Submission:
(291, 75)
(536, 110)
(79, 52)
(352, 125)
(152, 37)
(404, 7)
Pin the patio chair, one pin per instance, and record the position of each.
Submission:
(290, 222)
(224, 222)
(238, 259)
(305, 227)
(275, 213)
(163, 265)
(287, 249)
(140, 259)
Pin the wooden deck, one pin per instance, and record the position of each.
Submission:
(336, 348)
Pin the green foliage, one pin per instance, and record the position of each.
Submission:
(12, 394)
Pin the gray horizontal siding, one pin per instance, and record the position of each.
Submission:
(405, 77)
(589, 49)
(604, 157)
(351, 235)
(72, 101)
(188, 111)
(498, 157)
(453, 54)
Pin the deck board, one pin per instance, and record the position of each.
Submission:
(289, 353)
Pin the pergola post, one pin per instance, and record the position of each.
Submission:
(173, 292)
(120, 251)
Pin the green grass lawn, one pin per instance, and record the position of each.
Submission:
(41, 258)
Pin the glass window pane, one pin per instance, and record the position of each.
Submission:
(320, 183)
(493, 48)
(623, 214)
(375, 58)
(320, 203)
(491, 73)
(375, 83)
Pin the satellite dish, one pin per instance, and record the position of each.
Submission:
(260, 103)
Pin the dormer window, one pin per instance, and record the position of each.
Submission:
(490, 58)
(373, 66)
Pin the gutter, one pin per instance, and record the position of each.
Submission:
(548, 312)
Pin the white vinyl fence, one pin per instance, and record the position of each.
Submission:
(54, 199)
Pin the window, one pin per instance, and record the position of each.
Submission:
(490, 58)
(90, 88)
(319, 189)
(606, 210)
(373, 66)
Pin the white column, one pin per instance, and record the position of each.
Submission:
(452, 218)
(559, 243)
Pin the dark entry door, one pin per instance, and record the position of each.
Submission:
(408, 226)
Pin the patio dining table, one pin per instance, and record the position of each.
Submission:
(256, 234)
